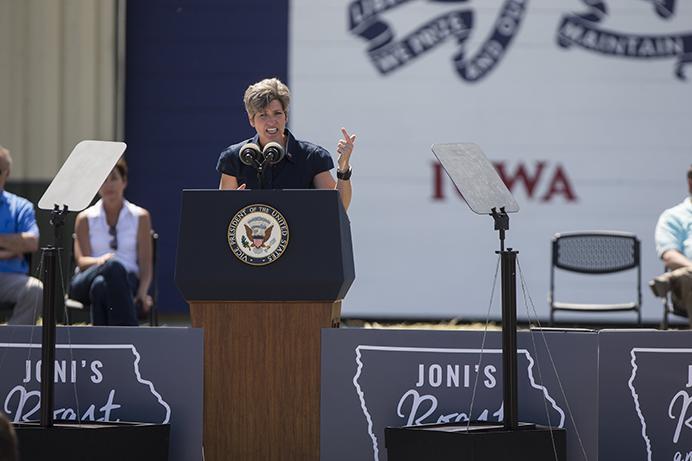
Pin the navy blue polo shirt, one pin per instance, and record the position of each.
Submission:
(302, 162)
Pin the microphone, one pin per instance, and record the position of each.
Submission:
(251, 155)
(273, 152)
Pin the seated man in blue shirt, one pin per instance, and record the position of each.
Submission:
(305, 165)
(674, 247)
(18, 235)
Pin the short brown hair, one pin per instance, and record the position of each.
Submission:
(121, 166)
(259, 95)
(689, 173)
(8, 440)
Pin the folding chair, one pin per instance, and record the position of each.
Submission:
(596, 253)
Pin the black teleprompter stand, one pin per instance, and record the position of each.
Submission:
(74, 186)
(485, 193)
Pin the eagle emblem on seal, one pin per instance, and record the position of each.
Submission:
(260, 240)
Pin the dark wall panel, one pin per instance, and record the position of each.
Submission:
(188, 64)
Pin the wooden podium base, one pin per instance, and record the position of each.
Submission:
(262, 377)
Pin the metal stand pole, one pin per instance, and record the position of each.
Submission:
(50, 259)
(508, 261)
(260, 175)
(508, 266)
(48, 347)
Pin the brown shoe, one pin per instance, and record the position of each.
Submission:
(660, 286)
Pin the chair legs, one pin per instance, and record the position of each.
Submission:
(668, 309)
(154, 317)
(664, 321)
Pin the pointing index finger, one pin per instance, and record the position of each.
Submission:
(347, 137)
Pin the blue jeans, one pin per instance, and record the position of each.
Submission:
(110, 291)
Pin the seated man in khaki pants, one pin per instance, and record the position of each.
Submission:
(18, 235)
(674, 247)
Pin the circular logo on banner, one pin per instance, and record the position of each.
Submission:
(258, 235)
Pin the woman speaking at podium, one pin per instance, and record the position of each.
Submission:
(297, 164)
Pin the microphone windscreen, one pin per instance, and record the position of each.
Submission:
(273, 152)
(249, 153)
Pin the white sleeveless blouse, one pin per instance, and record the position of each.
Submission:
(126, 231)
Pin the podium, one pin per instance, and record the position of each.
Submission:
(263, 272)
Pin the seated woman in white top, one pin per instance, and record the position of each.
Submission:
(113, 253)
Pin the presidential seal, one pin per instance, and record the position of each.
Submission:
(258, 235)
